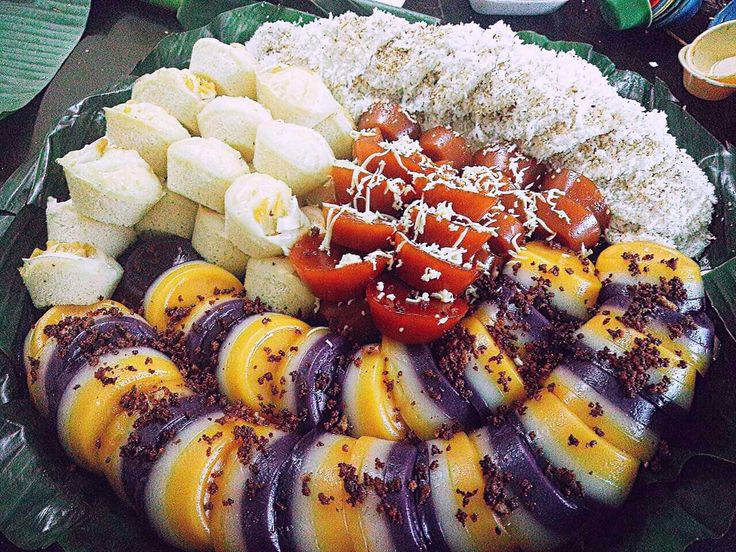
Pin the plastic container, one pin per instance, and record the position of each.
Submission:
(713, 53)
(699, 85)
(516, 7)
(627, 14)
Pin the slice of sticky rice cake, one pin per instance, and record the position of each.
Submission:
(173, 214)
(145, 128)
(202, 169)
(234, 121)
(69, 274)
(179, 91)
(297, 155)
(110, 184)
(231, 67)
(65, 224)
(209, 240)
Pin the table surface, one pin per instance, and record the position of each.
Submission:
(119, 34)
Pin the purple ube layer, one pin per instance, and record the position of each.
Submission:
(289, 483)
(211, 327)
(259, 513)
(536, 327)
(583, 502)
(541, 497)
(689, 305)
(407, 535)
(61, 369)
(701, 339)
(671, 410)
(320, 369)
(146, 260)
(639, 409)
(436, 386)
(154, 436)
(426, 514)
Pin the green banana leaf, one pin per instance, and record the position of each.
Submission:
(44, 501)
(193, 14)
(35, 38)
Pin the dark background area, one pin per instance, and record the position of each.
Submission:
(120, 33)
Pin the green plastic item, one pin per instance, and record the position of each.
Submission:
(626, 14)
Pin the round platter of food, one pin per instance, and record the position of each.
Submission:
(363, 283)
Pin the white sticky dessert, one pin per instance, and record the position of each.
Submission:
(145, 128)
(209, 240)
(202, 169)
(65, 224)
(173, 214)
(262, 217)
(110, 184)
(299, 156)
(274, 281)
(295, 95)
(179, 91)
(230, 67)
(234, 121)
(69, 274)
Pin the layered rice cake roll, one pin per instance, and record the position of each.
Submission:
(93, 395)
(380, 511)
(253, 360)
(135, 408)
(490, 374)
(423, 396)
(455, 514)
(513, 318)
(245, 507)
(208, 323)
(367, 398)
(146, 261)
(182, 287)
(568, 280)
(624, 266)
(533, 510)
(630, 423)
(179, 489)
(314, 495)
(603, 473)
(83, 342)
(690, 336)
(41, 343)
(639, 361)
(154, 431)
